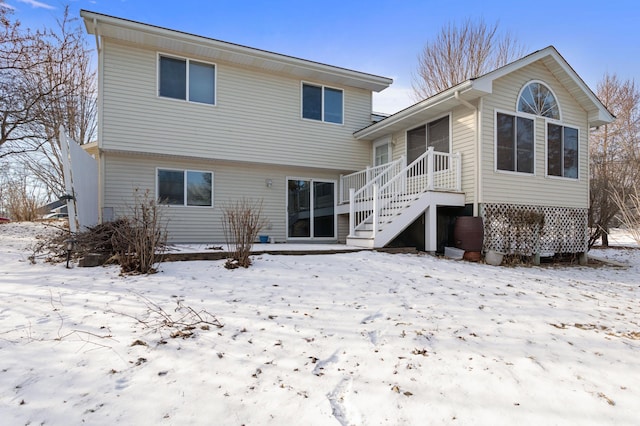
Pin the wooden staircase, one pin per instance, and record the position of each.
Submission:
(394, 196)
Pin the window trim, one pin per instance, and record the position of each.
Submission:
(386, 140)
(546, 150)
(522, 89)
(187, 60)
(515, 114)
(425, 123)
(185, 188)
(322, 87)
(311, 208)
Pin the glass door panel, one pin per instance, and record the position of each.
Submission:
(323, 209)
(310, 209)
(299, 208)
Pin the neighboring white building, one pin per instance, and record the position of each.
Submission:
(201, 122)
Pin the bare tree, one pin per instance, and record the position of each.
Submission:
(615, 155)
(46, 80)
(460, 53)
(20, 54)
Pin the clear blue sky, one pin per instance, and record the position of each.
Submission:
(383, 37)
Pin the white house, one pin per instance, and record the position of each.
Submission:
(201, 122)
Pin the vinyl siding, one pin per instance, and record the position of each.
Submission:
(257, 117)
(232, 181)
(537, 189)
(463, 140)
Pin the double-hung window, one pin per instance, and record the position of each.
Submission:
(187, 80)
(322, 103)
(514, 143)
(185, 187)
(562, 151)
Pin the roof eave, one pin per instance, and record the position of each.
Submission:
(374, 129)
(302, 68)
(598, 113)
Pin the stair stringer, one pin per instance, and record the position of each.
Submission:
(429, 199)
(391, 229)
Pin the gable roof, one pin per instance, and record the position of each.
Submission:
(476, 87)
(165, 39)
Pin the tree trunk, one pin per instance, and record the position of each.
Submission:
(604, 235)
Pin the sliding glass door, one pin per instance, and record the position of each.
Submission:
(311, 209)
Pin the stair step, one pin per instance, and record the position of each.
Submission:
(360, 242)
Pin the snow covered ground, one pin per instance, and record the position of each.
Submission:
(352, 338)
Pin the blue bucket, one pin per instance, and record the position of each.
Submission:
(264, 239)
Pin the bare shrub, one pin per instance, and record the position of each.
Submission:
(22, 200)
(630, 213)
(182, 323)
(241, 221)
(95, 240)
(140, 239)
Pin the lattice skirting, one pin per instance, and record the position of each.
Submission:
(527, 230)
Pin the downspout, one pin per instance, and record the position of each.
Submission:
(477, 163)
(97, 36)
(479, 196)
(100, 159)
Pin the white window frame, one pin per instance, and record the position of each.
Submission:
(187, 61)
(431, 120)
(185, 187)
(381, 142)
(524, 86)
(546, 150)
(311, 208)
(495, 141)
(323, 87)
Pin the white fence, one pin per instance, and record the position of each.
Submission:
(81, 183)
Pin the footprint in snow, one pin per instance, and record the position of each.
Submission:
(322, 364)
(340, 407)
(371, 318)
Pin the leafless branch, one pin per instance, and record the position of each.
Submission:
(459, 53)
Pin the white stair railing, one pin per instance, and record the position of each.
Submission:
(379, 202)
(360, 179)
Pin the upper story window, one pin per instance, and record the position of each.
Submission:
(187, 80)
(537, 99)
(322, 103)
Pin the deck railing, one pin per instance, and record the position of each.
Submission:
(379, 201)
(360, 179)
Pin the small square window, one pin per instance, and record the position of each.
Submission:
(322, 103)
(185, 187)
(198, 85)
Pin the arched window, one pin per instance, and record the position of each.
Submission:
(538, 99)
